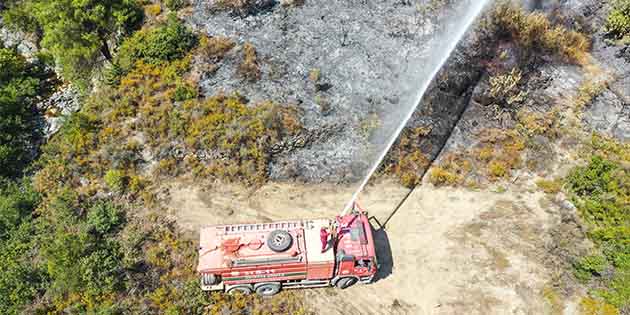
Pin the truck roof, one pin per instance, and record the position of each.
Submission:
(235, 245)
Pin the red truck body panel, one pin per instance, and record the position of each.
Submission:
(240, 253)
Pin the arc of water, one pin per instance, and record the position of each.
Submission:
(468, 20)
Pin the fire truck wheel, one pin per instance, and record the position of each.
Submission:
(244, 290)
(344, 283)
(209, 279)
(279, 241)
(268, 289)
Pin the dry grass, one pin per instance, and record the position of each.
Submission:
(535, 33)
(452, 170)
(533, 123)
(153, 10)
(549, 186)
(215, 48)
(249, 68)
(588, 91)
(591, 306)
(505, 89)
(233, 4)
(494, 157)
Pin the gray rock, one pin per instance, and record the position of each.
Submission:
(609, 115)
(24, 44)
(57, 107)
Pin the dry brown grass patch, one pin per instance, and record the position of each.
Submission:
(249, 68)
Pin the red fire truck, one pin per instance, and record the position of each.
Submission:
(266, 257)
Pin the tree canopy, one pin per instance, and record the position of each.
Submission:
(20, 84)
(76, 33)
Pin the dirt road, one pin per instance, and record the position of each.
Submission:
(446, 251)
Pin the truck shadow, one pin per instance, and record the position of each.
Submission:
(383, 250)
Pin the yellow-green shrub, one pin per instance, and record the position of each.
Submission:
(549, 186)
(618, 22)
(442, 177)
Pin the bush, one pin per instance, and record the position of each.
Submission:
(589, 266)
(115, 180)
(249, 68)
(601, 191)
(21, 278)
(535, 33)
(184, 92)
(153, 9)
(505, 89)
(588, 91)
(158, 45)
(497, 169)
(215, 48)
(242, 7)
(104, 217)
(17, 202)
(442, 177)
(174, 5)
(405, 160)
(591, 306)
(240, 134)
(410, 168)
(549, 186)
(618, 22)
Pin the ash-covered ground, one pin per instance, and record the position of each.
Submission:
(362, 52)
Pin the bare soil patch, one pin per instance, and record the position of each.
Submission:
(446, 251)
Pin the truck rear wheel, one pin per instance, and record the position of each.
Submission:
(209, 279)
(344, 283)
(279, 241)
(241, 289)
(268, 289)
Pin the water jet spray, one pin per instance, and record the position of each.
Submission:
(445, 45)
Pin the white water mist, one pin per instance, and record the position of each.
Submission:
(415, 80)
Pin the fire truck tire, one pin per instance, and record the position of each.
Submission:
(242, 289)
(268, 289)
(347, 282)
(209, 279)
(279, 241)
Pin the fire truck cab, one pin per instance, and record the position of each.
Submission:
(267, 257)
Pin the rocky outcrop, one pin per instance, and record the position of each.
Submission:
(610, 115)
(610, 112)
(25, 45)
(58, 107)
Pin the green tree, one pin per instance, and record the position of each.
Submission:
(20, 278)
(20, 84)
(78, 33)
(17, 201)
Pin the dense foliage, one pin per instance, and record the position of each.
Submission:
(87, 237)
(601, 191)
(20, 84)
(618, 23)
(77, 33)
(154, 46)
(20, 279)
